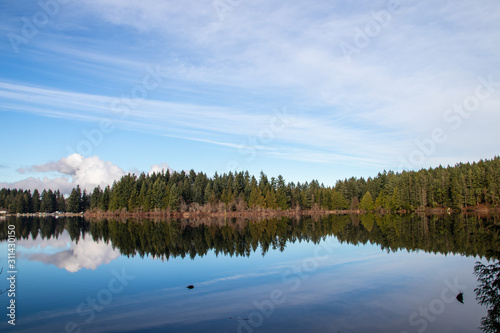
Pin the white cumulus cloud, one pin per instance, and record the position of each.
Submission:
(88, 172)
(163, 167)
(60, 183)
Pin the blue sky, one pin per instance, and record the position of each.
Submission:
(323, 89)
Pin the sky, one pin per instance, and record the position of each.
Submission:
(91, 90)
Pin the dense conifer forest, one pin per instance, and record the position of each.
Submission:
(462, 186)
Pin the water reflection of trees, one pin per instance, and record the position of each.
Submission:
(465, 235)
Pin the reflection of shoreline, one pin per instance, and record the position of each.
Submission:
(170, 238)
(480, 211)
(55, 214)
(248, 214)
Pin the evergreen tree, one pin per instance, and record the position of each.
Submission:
(185, 191)
(456, 194)
(282, 199)
(396, 199)
(48, 203)
(134, 201)
(61, 202)
(35, 200)
(256, 198)
(22, 202)
(199, 186)
(264, 183)
(175, 198)
(227, 196)
(85, 201)
(367, 202)
(209, 193)
(307, 197)
(270, 199)
(75, 200)
(146, 197)
(282, 196)
(338, 201)
(380, 201)
(104, 202)
(96, 198)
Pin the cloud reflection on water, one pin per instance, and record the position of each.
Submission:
(64, 253)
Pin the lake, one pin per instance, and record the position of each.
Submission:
(334, 273)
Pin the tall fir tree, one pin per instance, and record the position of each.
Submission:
(366, 202)
(35, 201)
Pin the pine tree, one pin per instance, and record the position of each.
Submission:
(104, 203)
(74, 200)
(48, 203)
(145, 196)
(61, 202)
(199, 189)
(456, 194)
(264, 183)
(96, 198)
(185, 191)
(35, 201)
(256, 198)
(175, 198)
(85, 201)
(338, 202)
(396, 199)
(282, 199)
(159, 192)
(209, 193)
(379, 202)
(133, 201)
(21, 203)
(270, 199)
(307, 198)
(367, 202)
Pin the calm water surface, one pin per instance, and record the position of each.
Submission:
(331, 274)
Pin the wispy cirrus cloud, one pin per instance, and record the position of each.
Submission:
(218, 125)
(223, 78)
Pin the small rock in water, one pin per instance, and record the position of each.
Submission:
(190, 286)
(460, 297)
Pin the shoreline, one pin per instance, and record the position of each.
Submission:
(256, 213)
(480, 210)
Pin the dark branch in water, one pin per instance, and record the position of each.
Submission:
(488, 294)
(460, 297)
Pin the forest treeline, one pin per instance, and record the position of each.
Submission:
(456, 233)
(457, 187)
